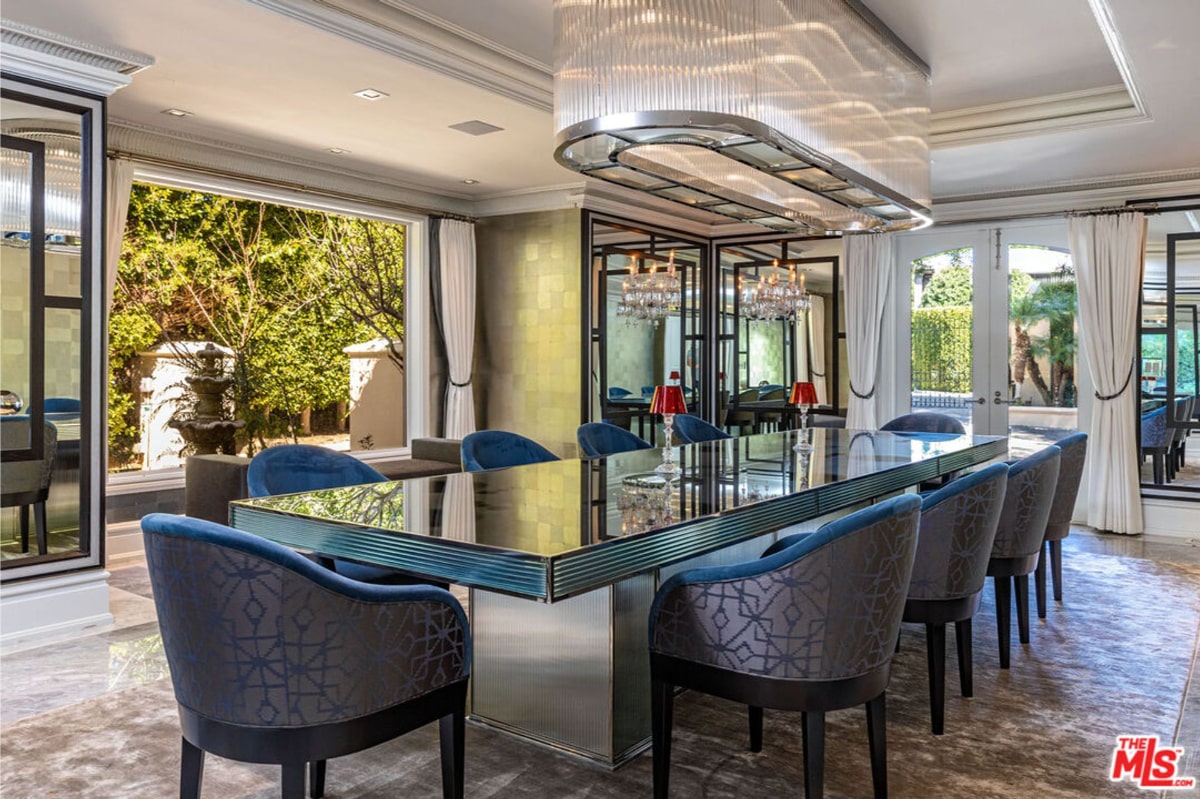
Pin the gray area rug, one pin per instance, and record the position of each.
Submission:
(1114, 659)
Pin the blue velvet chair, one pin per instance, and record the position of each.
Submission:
(1073, 451)
(598, 439)
(1019, 537)
(62, 405)
(958, 529)
(1156, 442)
(276, 660)
(26, 484)
(925, 422)
(616, 392)
(811, 627)
(292, 468)
(691, 429)
(497, 449)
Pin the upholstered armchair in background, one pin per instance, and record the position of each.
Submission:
(497, 449)
(691, 429)
(925, 422)
(598, 439)
(26, 484)
(811, 627)
(277, 660)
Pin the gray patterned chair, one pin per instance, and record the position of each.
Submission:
(277, 660)
(958, 528)
(26, 484)
(1058, 525)
(809, 627)
(1019, 539)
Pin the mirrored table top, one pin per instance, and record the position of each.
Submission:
(551, 530)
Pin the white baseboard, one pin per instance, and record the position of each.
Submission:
(123, 542)
(53, 608)
(1169, 519)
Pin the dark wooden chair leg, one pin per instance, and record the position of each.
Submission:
(1003, 616)
(966, 668)
(1021, 590)
(24, 515)
(316, 779)
(1056, 568)
(1039, 581)
(814, 754)
(662, 699)
(935, 649)
(293, 780)
(877, 738)
(756, 725)
(452, 733)
(191, 772)
(39, 524)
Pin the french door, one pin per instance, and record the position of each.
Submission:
(992, 328)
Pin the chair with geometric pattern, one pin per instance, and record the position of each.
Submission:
(1019, 537)
(499, 449)
(276, 660)
(958, 528)
(598, 439)
(1058, 525)
(26, 484)
(811, 626)
(292, 468)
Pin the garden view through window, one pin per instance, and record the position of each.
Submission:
(286, 325)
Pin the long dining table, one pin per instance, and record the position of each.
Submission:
(563, 559)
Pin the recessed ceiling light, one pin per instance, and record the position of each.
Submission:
(470, 181)
(371, 94)
(338, 150)
(176, 112)
(476, 127)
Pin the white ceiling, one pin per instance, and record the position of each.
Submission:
(264, 82)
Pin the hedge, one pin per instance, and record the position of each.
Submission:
(941, 349)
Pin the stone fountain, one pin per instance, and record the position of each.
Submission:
(208, 431)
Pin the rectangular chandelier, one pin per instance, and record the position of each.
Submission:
(799, 115)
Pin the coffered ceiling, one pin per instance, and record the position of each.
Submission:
(1028, 95)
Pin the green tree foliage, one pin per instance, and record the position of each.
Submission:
(1053, 302)
(950, 287)
(255, 278)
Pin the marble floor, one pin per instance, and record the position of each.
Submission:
(91, 680)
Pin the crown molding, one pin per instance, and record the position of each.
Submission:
(156, 146)
(398, 29)
(1067, 196)
(41, 55)
(1053, 113)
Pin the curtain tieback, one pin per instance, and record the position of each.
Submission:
(1128, 378)
(815, 373)
(860, 395)
(460, 385)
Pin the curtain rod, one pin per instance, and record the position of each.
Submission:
(1149, 207)
(270, 183)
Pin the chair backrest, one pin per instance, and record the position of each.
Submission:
(1183, 412)
(647, 391)
(749, 395)
(1070, 472)
(1155, 433)
(616, 392)
(597, 439)
(827, 607)
(1027, 501)
(925, 422)
(257, 635)
(692, 429)
(496, 449)
(767, 393)
(958, 528)
(291, 468)
(62, 405)
(24, 477)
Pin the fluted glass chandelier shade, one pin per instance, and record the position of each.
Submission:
(800, 115)
(63, 183)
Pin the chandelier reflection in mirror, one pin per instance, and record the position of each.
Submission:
(771, 298)
(651, 295)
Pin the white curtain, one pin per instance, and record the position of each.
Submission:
(456, 253)
(458, 507)
(119, 186)
(868, 259)
(816, 334)
(1108, 253)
